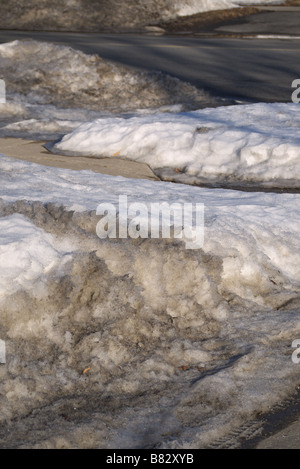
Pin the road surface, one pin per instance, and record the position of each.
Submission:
(246, 69)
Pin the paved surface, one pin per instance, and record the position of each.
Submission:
(271, 20)
(29, 150)
(289, 438)
(246, 69)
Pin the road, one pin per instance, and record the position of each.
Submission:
(271, 20)
(245, 69)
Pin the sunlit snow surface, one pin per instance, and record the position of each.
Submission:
(190, 7)
(249, 144)
(181, 347)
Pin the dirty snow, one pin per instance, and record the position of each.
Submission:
(50, 83)
(124, 343)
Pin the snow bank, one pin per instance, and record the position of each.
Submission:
(39, 74)
(251, 144)
(138, 343)
(52, 89)
(75, 15)
(237, 212)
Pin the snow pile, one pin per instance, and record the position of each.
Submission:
(142, 343)
(257, 143)
(262, 214)
(88, 15)
(192, 7)
(39, 74)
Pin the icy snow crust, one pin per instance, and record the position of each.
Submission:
(92, 15)
(256, 144)
(142, 343)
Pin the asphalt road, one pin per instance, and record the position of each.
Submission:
(246, 69)
(271, 20)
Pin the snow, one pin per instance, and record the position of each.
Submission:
(256, 143)
(27, 255)
(266, 214)
(135, 313)
(142, 342)
(198, 6)
(108, 15)
(60, 83)
(276, 36)
(62, 88)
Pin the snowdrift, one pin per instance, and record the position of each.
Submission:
(254, 145)
(142, 343)
(53, 89)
